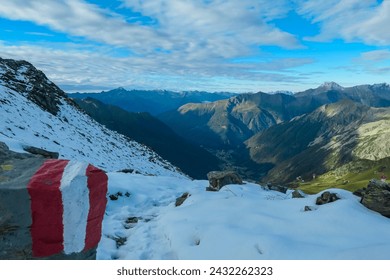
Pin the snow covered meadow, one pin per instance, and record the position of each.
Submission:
(238, 222)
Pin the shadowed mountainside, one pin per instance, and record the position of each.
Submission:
(146, 129)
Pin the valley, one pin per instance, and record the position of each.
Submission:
(279, 137)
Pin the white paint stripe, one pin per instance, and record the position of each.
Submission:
(75, 199)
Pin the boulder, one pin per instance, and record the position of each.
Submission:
(180, 200)
(277, 188)
(377, 197)
(326, 197)
(49, 208)
(298, 194)
(218, 179)
(42, 152)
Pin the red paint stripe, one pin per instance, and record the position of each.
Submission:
(47, 209)
(97, 185)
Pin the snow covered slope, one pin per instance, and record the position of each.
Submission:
(34, 112)
(238, 222)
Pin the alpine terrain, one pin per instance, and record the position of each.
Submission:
(279, 132)
(155, 211)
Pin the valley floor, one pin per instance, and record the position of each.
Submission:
(238, 222)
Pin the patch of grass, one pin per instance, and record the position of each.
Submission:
(352, 176)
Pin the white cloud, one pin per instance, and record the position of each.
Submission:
(352, 20)
(216, 27)
(198, 29)
(377, 55)
(75, 67)
(79, 18)
(41, 34)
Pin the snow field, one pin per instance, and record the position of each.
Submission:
(239, 222)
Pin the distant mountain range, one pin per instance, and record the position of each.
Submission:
(277, 131)
(144, 128)
(269, 137)
(152, 101)
(231, 121)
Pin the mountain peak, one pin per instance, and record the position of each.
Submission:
(380, 86)
(22, 77)
(331, 86)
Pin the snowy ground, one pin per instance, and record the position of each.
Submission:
(74, 135)
(239, 222)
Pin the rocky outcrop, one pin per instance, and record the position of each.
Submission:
(326, 197)
(42, 152)
(180, 200)
(277, 188)
(297, 194)
(218, 179)
(21, 76)
(376, 196)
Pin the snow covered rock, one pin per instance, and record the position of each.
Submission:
(49, 208)
(297, 194)
(42, 152)
(277, 188)
(377, 197)
(218, 179)
(326, 197)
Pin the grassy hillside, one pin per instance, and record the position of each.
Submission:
(352, 176)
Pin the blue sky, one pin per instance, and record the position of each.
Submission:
(214, 45)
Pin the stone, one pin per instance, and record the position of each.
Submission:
(326, 197)
(42, 152)
(277, 188)
(308, 208)
(297, 194)
(218, 179)
(377, 197)
(180, 200)
(130, 222)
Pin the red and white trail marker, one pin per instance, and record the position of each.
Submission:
(68, 200)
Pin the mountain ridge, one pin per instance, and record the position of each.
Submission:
(329, 137)
(35, 112)
(146, 129)
(152, 101)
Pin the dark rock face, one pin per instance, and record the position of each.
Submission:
(377, 197)
(326, 197)
(218, 179)
(21, 76)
